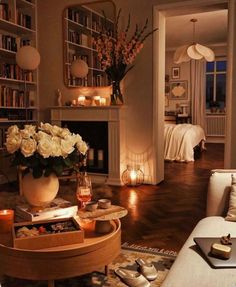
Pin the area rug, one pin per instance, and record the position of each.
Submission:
(162, 260)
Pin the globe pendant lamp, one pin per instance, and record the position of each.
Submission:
(79, 69)
(195, 51)
(28, 59)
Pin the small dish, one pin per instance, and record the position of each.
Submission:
(104, 203)
(91, 206)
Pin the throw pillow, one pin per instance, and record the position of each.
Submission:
(231, 215)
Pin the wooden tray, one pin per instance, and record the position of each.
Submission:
(47, 240)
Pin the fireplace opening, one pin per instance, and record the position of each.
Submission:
(96, 135)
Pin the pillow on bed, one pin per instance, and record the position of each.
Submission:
(231, 215)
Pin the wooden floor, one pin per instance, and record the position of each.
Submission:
(163, 216)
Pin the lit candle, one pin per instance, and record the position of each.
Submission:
(102, 101)
(74, 103)
(97, 100)
(6, 220)
(81, 100)
(133, 177)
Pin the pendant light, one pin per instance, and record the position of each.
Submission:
(194, 51)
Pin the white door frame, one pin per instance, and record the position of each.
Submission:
(160, 12)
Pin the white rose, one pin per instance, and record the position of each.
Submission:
(28, 147)
(77, 138)
(28, 131)
(82, 147)
(66, 148)
(56, 147)
(55, 130)
(13, 142)
(45, 147)
(42, 135)
(46, 127)
(64, 132)
(13, 130)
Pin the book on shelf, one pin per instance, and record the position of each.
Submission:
(58, 208)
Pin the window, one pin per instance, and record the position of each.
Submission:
(216, 83)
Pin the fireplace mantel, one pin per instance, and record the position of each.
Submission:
(115, 116)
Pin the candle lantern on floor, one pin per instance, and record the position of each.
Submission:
(133, 176)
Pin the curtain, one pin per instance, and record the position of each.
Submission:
(197, 92)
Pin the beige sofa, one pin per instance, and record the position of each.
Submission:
(189, 268)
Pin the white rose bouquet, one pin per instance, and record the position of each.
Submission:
(45, 149)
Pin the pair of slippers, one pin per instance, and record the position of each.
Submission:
(135, 279)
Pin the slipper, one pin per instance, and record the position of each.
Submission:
(132, 279)
(147, 269)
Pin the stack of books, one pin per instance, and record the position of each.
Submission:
(58, 208)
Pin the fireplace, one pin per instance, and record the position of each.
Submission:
(103, 127)
(96, 135)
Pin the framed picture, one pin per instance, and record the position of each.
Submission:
(175, 73)
(179, 90)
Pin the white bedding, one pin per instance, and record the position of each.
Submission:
(179, 141)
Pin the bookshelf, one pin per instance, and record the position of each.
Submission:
(83, 23)
(17, 28)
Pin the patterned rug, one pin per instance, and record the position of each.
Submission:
(162, 260)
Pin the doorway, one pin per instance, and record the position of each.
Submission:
(161, 12)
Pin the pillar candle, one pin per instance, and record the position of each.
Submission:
(97, 100)
(133, 177)
(102, 102)
(90, 156)
(81, 100)
(6, 220)
(100, 158)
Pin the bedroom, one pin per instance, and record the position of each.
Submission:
(203, 84)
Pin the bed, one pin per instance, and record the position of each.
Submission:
(181, 140)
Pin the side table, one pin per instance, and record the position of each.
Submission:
(64, 261)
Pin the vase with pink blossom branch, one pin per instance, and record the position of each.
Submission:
(117, 52)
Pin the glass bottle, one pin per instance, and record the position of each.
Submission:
(84, 186)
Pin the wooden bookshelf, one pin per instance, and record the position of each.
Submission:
(17, 28)
(82, 24)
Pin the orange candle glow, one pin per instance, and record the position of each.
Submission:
(6, 220)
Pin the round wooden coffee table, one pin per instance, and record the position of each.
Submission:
(65, 261)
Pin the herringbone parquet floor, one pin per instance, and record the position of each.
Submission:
(163, 216)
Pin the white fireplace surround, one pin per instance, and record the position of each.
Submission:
(115, 116)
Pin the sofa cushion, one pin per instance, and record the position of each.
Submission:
(231, 214)
(190, 269)
(218, 192)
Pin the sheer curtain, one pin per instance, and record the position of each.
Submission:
(197, 92)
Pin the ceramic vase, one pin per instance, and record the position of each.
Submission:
(39, 192)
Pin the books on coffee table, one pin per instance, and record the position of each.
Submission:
(58, 208)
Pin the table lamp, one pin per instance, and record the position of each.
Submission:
(28, 59)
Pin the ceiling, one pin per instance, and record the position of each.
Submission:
(211, 29)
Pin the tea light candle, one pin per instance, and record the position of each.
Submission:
(6, 220)
(81, 100)
(102, 101)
